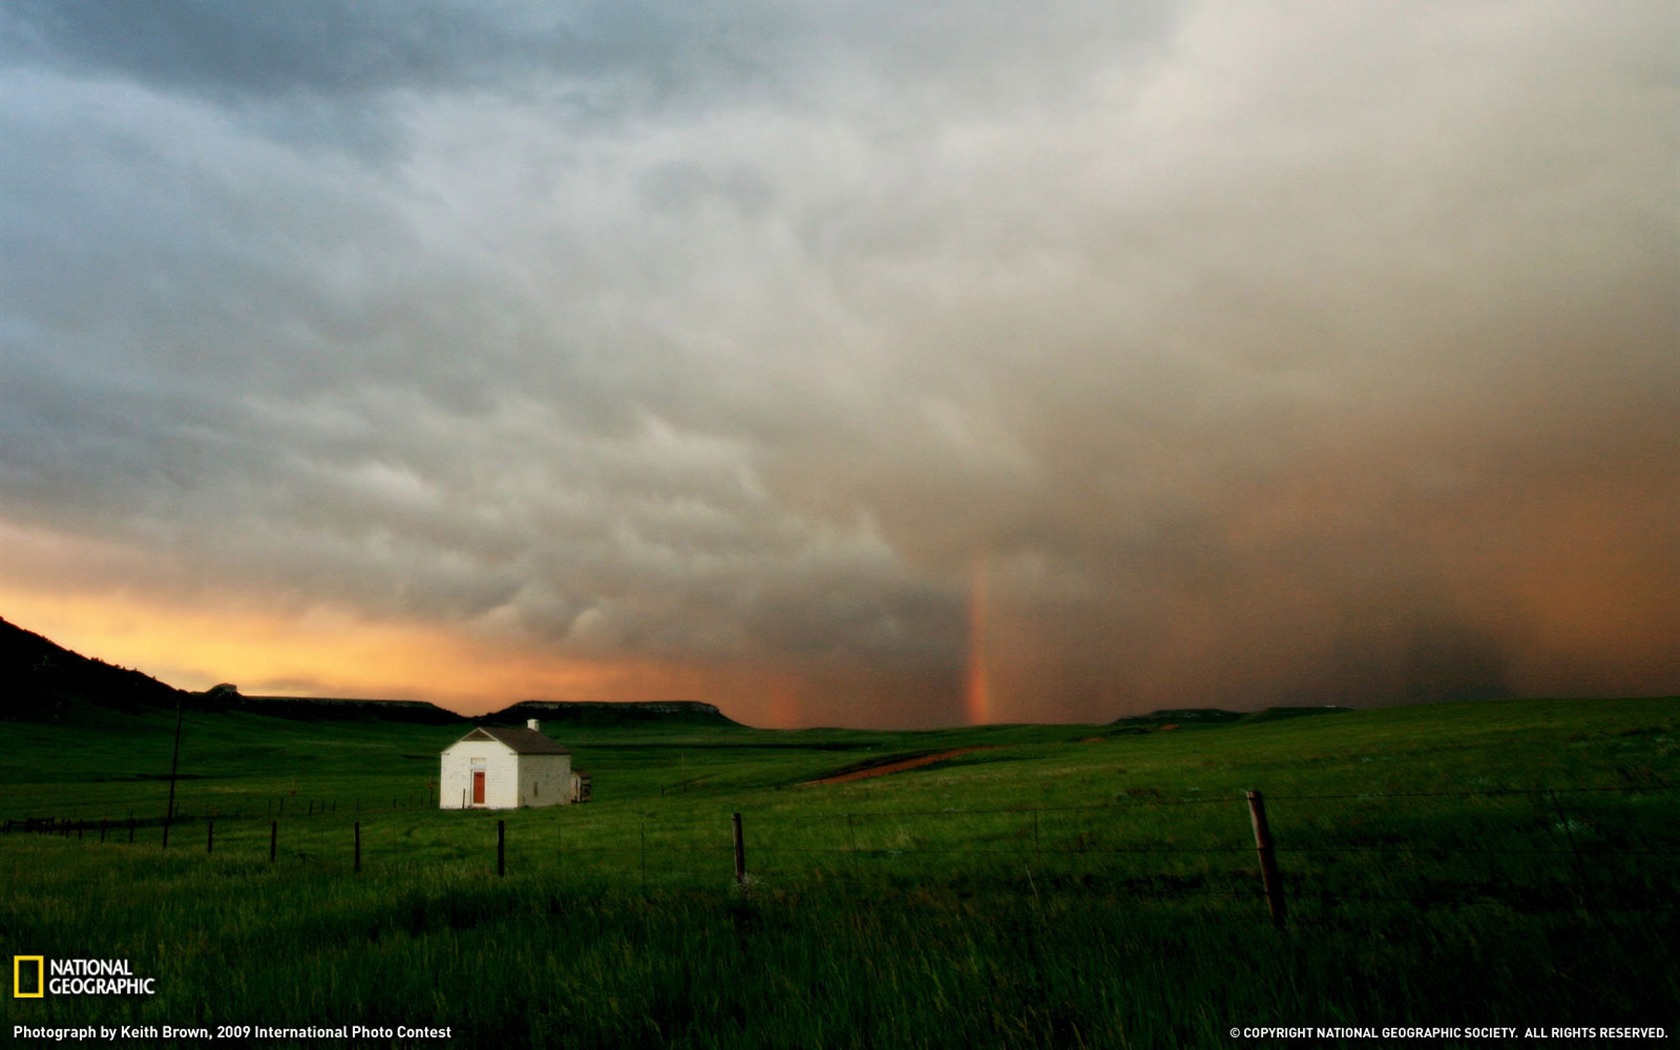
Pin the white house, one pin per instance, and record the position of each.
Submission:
(495, 768)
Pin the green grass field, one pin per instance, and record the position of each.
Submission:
(1505, 864)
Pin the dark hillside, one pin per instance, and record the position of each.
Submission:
(41, 681)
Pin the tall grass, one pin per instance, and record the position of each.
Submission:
(867, 959)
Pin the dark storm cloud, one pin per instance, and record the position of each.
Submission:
(231, 51)
(1190, 355)
(337, 74)
(315, 62)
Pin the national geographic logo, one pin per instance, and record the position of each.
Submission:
(36, 967)
(35, 976)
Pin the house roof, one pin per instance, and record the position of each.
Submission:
(522, 741)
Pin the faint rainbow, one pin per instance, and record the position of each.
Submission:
(977, 692)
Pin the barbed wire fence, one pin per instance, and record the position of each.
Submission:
(1548, 844)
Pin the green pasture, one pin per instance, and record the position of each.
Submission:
(1508, 863)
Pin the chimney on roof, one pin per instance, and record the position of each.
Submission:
(533, 725)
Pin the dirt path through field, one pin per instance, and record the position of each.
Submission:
(897, 767)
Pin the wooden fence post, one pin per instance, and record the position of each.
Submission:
(501, 847)
(1269, 875)
(740, 852)
(273, 839)
(358, 845)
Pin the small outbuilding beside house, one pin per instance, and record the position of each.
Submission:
(496, 768)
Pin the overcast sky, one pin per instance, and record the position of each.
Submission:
(866, 363)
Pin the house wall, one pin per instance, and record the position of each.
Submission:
(500, 775)
(510, 780)
(545, 780)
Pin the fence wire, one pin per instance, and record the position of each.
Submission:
(656, 846)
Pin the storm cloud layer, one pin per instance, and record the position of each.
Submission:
(853, 362)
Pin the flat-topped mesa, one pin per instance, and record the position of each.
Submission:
(1173, 718)
(611, 712)
(321, 708)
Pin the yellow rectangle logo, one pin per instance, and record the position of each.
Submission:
(40, 962)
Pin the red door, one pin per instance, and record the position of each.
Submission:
(478, 787)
